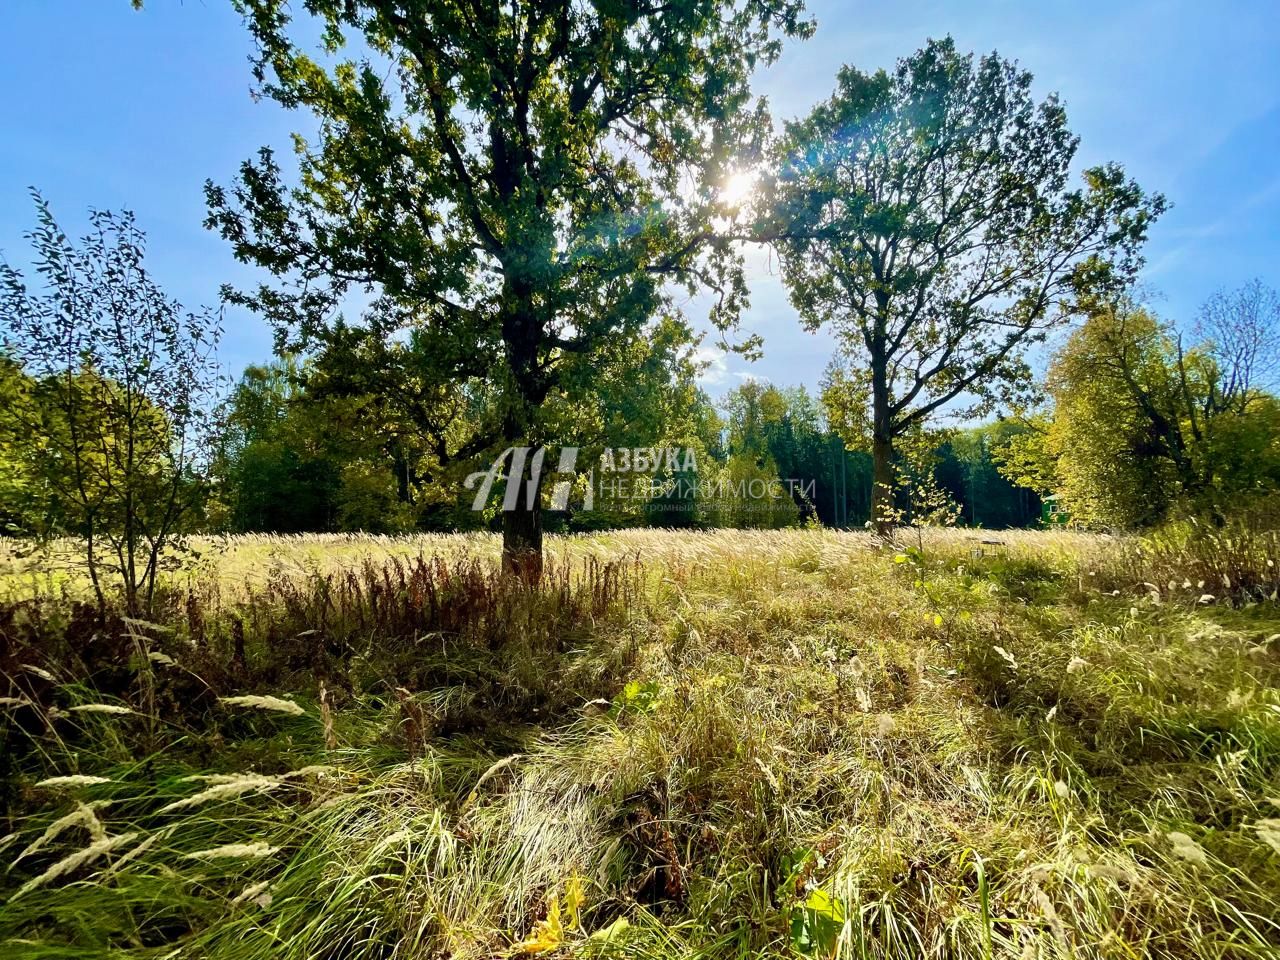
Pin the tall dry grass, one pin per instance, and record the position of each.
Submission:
(782, 744)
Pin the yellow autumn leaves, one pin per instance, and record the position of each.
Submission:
(552, 932)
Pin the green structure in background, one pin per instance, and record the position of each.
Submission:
(1053, 513)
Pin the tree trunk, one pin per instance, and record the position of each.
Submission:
(522, 514)
(882, 485)
(522, 527)
(883, 514)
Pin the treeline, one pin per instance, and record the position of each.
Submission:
(1138, 422)
(297, 459)
(290, 456)
(113, 428)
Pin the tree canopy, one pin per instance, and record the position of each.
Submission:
(114, 399)
(1143, 423)
(517, 185)
(926, 216)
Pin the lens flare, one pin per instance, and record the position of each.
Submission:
(737, 188)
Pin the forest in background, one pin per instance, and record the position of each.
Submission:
(1138, 423)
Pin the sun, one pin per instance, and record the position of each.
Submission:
(738, 188)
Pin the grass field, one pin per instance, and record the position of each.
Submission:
(733, 744)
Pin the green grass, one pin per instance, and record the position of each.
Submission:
(749, 745)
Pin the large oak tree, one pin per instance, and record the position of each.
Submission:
(519, 184)
(925, 214)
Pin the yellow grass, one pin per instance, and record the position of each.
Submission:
(238, 563)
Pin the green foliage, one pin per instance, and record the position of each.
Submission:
(1143, 427)
(1026, 459)
(27, 505)
(969, 470)
(924, 215)
(297, 455)
(789, 430)
(748, 494)
(117, 413)
(637, 696)
(274, 475)
(300, 439)
(367, 500)
(512, 185)
(816, 924)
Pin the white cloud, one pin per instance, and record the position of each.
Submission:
(716, 368)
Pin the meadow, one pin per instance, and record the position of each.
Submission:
(676, 745)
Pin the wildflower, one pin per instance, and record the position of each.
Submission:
(1186, 848)
(264, 703)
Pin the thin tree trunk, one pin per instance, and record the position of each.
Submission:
(883, 514)
(882, 485)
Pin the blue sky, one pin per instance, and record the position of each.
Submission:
(107, 107)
